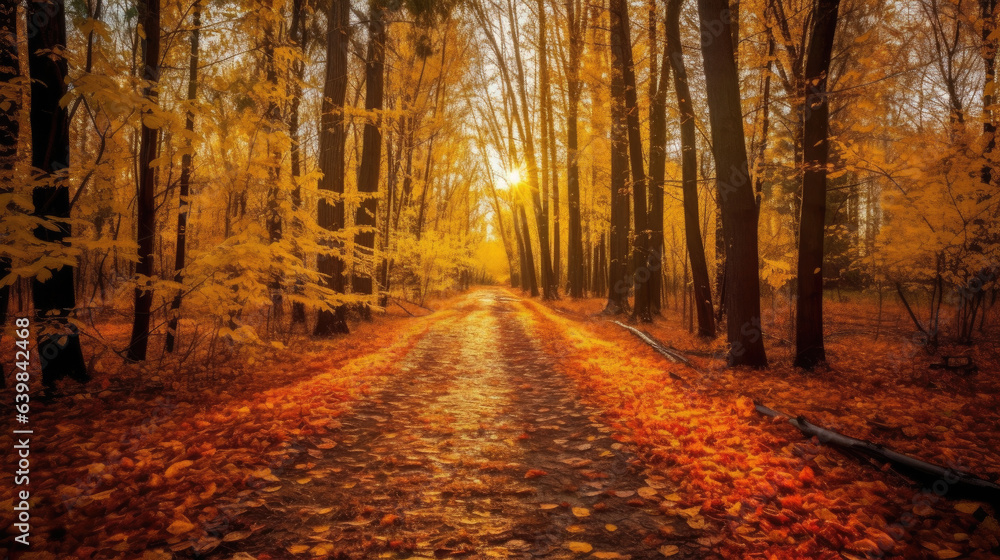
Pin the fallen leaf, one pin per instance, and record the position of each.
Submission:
(579, 546)
(581, 512)
(669, 550)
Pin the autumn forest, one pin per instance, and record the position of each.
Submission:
(555, 279)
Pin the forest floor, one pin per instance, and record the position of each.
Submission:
(500, 427)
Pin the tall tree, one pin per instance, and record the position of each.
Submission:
(371, 151)
(10, 129)
(657, 158)
(621, 54)
(738, 208)
(297, 30)
(576, 20)
(809, 349)
(523, 121)
(332, 146)
(146, 198)
(619, 282)
(53, 298)
(184, 183)
(990, 42)
(689, 173)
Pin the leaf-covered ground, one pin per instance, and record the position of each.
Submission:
(498, 427)
(769, 492)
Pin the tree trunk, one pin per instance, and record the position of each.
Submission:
(332, 146)
(371, 152)
(621, 54)
(145, 200)
(657, 161)
(809, 350)
(54, 298)
(689, 171)
(576, 19)
(988, 15)
(549, 291)
(618, 278)
(298, 34)
(184, 183)
(739, 211)
(10, 130)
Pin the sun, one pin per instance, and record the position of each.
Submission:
(514, 176)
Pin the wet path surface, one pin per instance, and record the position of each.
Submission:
(477, 448)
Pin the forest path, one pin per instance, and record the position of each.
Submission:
(475, 448)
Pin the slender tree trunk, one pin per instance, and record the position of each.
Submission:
(621, 53)
(619, 282)
(657, 160)
(529, 254)
(576, 19)
(549, 291)
(145, 200)
(10, 130)
(809, 349)
(273, 123)
(371, 151)
(689, 170)
(54, 298)
(298, 32)
(988, 15)
(739, 211)
(184, 183)
(332, 146)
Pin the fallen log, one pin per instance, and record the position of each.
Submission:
(943, 481)
(661, 348)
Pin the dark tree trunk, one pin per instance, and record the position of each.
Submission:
(689, 163)
(657, 162)
(739, 211)
(549, 291)
(298, 34)
(618, 278)
(184, 183)
(576, 19)
(272, 124)
(988, 15)
(529, 254)
(809, 350)
(146, 198)
(54, 298)
(371, 151)
(332, 146)
(621, 55)
(10, 129)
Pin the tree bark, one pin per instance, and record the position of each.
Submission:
(618, 278)
(54, 298)
(297, 30)
(371, 151)
(621, 54)
(184, 183)
(332, 146)
(145, 200)
(809, 349)
(10, 130)
(689, 172)
(576, 20)
(739, 211)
